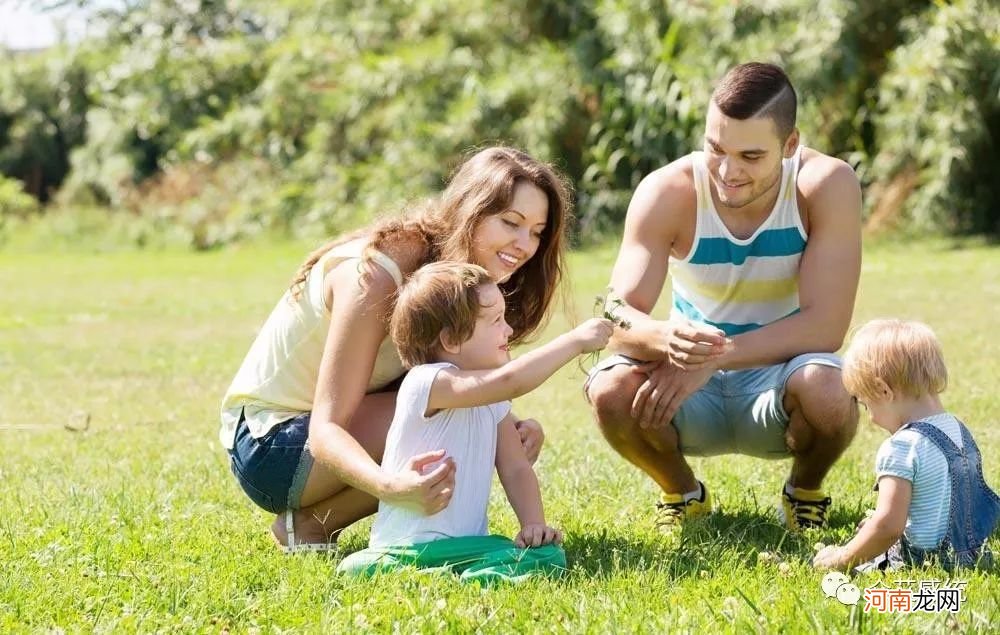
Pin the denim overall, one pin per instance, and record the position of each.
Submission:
(975, 508)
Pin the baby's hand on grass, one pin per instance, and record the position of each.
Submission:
(536, 535)
(831, 557)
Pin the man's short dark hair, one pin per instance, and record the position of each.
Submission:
(758, 90)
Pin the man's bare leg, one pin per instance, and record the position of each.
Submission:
(822, 421)
(655, 451)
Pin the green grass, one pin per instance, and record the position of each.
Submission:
(137, 525)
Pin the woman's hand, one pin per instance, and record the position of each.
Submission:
(532, 437)
(421, 484)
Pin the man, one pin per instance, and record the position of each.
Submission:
(762, 239)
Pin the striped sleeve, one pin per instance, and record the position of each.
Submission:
(897, 456)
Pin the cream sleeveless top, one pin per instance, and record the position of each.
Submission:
(277, 380)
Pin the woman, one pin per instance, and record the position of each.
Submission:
(305, 420)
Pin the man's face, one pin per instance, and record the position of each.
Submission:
(744, 156)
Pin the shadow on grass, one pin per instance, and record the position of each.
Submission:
(601, 554)
(840, 518)
(719, 541)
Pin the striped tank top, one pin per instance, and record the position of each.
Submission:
(738, 285)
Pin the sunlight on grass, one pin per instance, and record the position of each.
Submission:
(136, 524)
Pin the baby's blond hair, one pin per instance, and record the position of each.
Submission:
(905, 355)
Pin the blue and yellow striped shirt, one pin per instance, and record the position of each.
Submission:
(739, 285)
(911, 456)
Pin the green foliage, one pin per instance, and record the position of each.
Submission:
(163, 69)
(15, 203)
(644, 118)
(43, 103)
(354, 111)
(308, 118)
(938, 123)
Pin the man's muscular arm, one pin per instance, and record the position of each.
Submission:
(658, 206)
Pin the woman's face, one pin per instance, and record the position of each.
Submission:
(503, 242)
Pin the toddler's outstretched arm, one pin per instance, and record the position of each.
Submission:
(878, 533)
(456, 388)
(521, 486)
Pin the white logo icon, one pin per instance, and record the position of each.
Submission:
(836, 585)
(848, 594)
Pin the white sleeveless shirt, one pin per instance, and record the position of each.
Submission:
(277, 380)
(468, 435)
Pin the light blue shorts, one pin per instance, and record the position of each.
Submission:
(737, 411)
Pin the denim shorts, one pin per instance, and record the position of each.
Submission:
(272, 470)
(737, 411)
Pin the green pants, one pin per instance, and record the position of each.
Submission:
(484, 559)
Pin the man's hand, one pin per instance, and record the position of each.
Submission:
(532, 437)
(665, 389)
(694, 345)
(536, 535)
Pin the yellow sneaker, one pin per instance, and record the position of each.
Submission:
(803, 508)
(672, 510)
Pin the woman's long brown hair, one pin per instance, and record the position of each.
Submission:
(482, 186)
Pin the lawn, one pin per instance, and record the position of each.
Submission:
(135, 523)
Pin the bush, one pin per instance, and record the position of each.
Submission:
(15, 204)
(162, 69)
(43, 103)
(938, 123)
(362, 109)
(643, 119)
